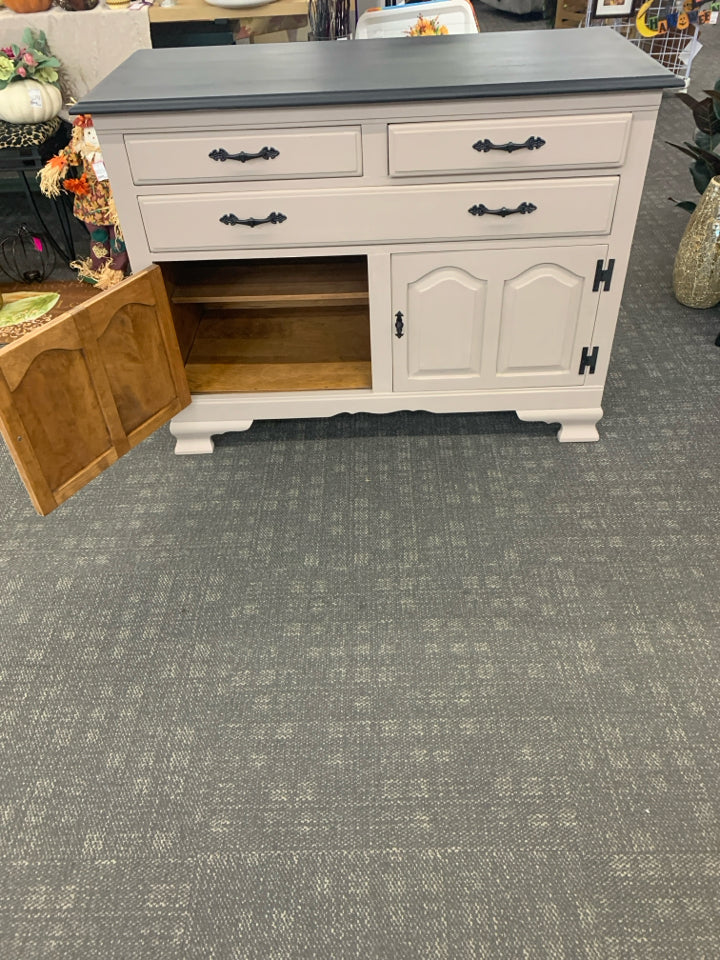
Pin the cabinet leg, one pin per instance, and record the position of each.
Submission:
(576, 426)
(198, 437)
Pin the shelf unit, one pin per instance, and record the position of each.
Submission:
(272, 325)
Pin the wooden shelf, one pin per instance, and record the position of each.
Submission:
(298, 348)
(249, 326)
(273, 283)
(227, 298)
(270, 377)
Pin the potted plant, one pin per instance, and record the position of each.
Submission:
(696, 275)
(705, 148)
(29, 91)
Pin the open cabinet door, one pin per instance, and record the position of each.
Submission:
(78, 393)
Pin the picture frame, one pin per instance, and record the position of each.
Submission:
(612, 8)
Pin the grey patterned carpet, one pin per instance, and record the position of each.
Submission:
(386, 688)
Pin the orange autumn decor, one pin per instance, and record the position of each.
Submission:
(80, 186)
(94, 202)
(79, 169)
(427, 27)
(28, 6)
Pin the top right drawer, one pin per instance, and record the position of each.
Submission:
(493, 146)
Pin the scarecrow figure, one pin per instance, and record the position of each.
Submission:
(93, 205)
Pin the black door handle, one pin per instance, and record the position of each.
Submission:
(532, 143)
(232, 221)
(479, 210)
(267, 153)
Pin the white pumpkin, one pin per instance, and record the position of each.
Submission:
(29, 101)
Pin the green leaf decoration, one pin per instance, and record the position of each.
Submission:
(710, 159)
(689, 148)
(701, 176)
(715, 94)
(703, 112)
(31, 307)
(715, 100)
(707, 141)
(688, 205)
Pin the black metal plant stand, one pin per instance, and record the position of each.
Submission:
(29, 160)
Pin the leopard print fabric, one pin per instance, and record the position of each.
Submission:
(16, 135)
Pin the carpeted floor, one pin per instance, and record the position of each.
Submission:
(384, 688)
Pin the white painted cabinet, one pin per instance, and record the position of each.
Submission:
(338, 234)
(494, 318)
(501, 266)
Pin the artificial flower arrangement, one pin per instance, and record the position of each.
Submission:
(31, 61)
(29, 89)
(427, 27)
(79, 169)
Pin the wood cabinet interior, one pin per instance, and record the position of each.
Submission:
(248, 326)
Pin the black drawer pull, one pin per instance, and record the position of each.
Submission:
(532, 143)
(267, 153)
(479, 210)
(232, 221)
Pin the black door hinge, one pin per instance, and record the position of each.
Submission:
(588, 359)
(399, 325)
(603, 275)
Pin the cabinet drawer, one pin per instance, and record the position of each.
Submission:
(466, 146)
(315, 152)
(573, 207)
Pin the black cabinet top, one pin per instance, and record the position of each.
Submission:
(521, 63)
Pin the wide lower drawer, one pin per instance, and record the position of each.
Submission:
(526, 143)
(246, 155)
(467, 211)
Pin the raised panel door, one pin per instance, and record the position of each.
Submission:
(493, 318)
(79, 393)
(439, 337)
(547, 316)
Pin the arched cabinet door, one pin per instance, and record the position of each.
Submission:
(488, 319)
(78, 393)
(443, 317)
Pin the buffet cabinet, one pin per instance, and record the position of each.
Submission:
(448, 255)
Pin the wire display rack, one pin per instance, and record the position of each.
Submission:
(673, 49)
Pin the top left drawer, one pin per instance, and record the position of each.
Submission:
(245, 155)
